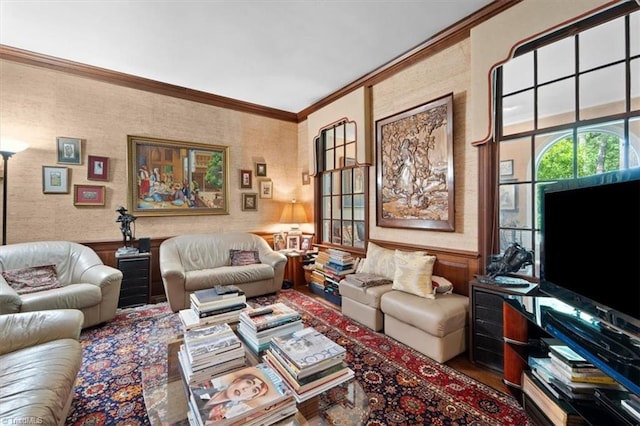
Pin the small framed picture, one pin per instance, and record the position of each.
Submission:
(55, 180)
(69, 150)
(306, 180)
(88, 195)
(261, 169)
(305, 242)
(266, 189)
(98, 168)
(506, 168)
(245, 179)
(249, 202)
(279, 241)
(293, 242)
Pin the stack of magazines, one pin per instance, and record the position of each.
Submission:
(217, 305)
(210, 351)
(308, 361)
(250, 396)
(258, 326)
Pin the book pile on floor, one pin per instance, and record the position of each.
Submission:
(217, 305)
(258, 326)
(251, 396)
(308, 361)
(210, 351)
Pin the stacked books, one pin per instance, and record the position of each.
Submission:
(308, 361)
(543, 407)
(258, 326)
(210, 351)
(250, 396)
(340, 263)
(567, 375)
(220, 304)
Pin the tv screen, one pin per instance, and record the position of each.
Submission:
(590, 251)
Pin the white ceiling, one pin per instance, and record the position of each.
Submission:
(285, 54)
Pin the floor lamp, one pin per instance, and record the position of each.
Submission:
(7, 149)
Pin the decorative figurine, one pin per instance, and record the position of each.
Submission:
(125, 219)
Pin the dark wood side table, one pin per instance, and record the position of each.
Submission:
(486, 330)
(136, 279)
(294, 271)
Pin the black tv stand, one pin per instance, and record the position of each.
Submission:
(537, 317)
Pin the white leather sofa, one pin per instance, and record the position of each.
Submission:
(195, 262)
(40, 357)
(86, 283)
(436, 327)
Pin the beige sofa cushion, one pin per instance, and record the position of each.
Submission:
(369, 296)
(413, 273)
(227, 275)
(438, 317)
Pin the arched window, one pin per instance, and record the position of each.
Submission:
(567, 106)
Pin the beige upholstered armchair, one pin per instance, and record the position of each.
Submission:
(40, 357)
(45, 275)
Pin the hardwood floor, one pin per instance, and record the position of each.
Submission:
(461, 362)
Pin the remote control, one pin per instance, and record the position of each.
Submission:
(260, 313)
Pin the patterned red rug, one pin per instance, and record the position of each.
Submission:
(403, 386)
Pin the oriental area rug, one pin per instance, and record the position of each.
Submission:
(403, 386)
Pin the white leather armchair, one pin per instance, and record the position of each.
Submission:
(87, 284)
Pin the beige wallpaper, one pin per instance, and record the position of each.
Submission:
(38, 105)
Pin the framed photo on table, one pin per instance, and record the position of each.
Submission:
(293, 242)
(98, 168)
(55, 180)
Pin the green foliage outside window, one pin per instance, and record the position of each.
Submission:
(596, 153)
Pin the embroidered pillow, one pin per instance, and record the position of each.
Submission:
(441, 284)
(32, 279)
(243, 257)
(413, 273)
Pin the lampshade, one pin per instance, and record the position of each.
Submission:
(12, 146)
(294, 214)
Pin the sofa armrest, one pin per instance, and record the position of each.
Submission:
(10, 301)
(28, 329)
(101, 275)
(273, 259)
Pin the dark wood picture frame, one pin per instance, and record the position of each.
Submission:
(414, 168)
(246, 182)
(171, 178)
(261, 169)
(97, 168)
(249, 202)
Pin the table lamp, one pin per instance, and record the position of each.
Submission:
(293, 214)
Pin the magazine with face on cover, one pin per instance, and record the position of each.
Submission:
(224, 399)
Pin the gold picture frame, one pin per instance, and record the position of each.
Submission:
(414, 167)
(170, 178)
(55, 180)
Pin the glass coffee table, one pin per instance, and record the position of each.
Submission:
(166, 402)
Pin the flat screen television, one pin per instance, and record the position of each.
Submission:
(590, 246)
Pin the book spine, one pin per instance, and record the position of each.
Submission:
(204, 314)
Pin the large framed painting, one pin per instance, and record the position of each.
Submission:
(168, 178)
(414, 167)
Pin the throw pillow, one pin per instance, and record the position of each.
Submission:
(378, 261)
(413, 273)
(243, 257)
(32, 279)
(441, 284)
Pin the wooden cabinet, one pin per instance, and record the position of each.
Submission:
(136, 279)
(486, 331)
(294, 272)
